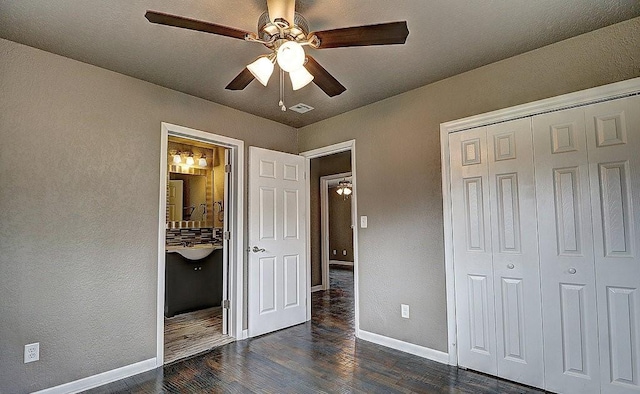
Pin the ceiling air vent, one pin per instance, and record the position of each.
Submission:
(301, 108)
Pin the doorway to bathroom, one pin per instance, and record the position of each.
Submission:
(200, 232)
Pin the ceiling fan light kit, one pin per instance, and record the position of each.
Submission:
(290, 56)
(300, 78)
(285, 32)
(262, 68)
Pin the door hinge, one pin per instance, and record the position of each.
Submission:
(304, 175)
(226, 304)
(227, 168)
(226, 235)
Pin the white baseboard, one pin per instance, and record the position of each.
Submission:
(421, 351)
(245, 334)
(101, 378)
(317, 288)
(338, 262)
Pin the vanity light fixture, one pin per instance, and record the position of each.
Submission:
(202, 161)
(190, 161)
(177, 159)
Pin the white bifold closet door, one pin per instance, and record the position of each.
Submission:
(476, 323)
(613, 143)
(497, 275)
(587, 164)
(566, 253)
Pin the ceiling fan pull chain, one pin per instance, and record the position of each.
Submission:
(281, 102)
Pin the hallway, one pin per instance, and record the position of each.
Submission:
(322, 355)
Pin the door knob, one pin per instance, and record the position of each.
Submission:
(510, 266)
(257, 249)
(572, 270)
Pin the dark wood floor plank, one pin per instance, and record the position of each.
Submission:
(320, 356)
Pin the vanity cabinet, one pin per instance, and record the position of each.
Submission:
(191, 285)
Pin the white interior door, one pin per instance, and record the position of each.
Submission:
(225, 240)
(476, 328)
(174, 205)
(613, 142)
(566, 253)
(277, 241)
(516, 267)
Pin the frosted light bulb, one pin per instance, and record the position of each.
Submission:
(261, 69)
(300, 78)
(290, 56)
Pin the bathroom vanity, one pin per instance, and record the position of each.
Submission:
(193, 278)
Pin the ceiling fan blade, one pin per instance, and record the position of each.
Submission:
(193, 24)
(381, 34)
(323, 79)
(282, 9)
(241, 81)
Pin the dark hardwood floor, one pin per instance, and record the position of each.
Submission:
(322, 355)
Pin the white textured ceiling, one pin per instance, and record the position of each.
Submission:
(447, 37)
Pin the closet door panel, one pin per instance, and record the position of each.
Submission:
(566, 253)
(472, 251)
(515, 252)
(613, 139)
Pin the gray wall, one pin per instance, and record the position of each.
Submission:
(79, 169)
(327, 165)
(398, 168)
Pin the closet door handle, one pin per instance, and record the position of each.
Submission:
(511, 266)
(257, 249)
(572, 270)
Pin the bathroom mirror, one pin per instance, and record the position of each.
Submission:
(187, 201)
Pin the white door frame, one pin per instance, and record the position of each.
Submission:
(324, 223)
(236, 228)
(313, 154)
(580, 98)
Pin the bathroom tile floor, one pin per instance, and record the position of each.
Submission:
(192, 333)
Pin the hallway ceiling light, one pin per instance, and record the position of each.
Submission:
(344, 188)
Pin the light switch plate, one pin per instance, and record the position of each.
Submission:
(404, 310)
(363, 222)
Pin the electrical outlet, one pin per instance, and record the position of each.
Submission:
(334, 252)
(31, 352)
(344, 252)
(404, 310)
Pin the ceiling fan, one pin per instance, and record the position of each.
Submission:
(285, 32)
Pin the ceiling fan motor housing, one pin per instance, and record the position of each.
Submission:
(268, 30)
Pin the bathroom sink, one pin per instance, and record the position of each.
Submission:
(195, 252)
